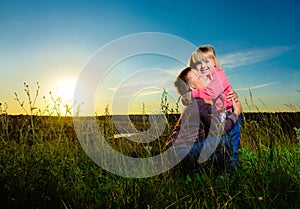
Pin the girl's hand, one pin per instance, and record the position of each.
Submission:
(237, 107)
(233, 96)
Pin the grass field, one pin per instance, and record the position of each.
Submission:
(42, 165)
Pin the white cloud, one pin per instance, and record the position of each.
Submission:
(251, 56)
(258, 86)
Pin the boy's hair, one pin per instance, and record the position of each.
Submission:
(209, 52)
(181, 82)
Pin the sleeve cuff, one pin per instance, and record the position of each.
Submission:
(234, 117)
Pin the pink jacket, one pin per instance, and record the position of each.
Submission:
(216, 90)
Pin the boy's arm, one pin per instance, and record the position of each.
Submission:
(232, 118)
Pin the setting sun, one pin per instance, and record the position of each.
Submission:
(64, 89)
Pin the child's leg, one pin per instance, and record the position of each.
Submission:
(221, 155)
(235, 138)
(190, 161)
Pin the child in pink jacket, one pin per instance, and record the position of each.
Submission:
(215, 87)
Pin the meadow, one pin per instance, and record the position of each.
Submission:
(42, 165)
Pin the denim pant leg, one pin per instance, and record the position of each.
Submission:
(235, 139)
(235, 136)
(190, 160)
(195, 152)
(227, 147)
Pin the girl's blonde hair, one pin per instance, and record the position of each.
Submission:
(196, 58)
(209, 52)
(193, 61)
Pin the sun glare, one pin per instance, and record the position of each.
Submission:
(65, 89)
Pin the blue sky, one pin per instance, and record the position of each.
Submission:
(51, 42)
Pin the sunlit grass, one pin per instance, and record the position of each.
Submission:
(42, 165)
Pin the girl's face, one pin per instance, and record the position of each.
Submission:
(205, 66)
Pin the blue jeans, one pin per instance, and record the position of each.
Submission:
(222, 154)
(235, 139)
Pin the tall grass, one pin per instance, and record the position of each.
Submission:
(42, 165)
